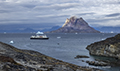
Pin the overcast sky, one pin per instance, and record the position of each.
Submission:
(55, 12)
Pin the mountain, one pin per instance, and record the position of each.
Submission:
(108, 29)
(75, 25)
(51, 29)
(27, 30)
(24, 28)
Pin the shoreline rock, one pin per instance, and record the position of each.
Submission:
(97, 63)
(109, 47)
(13, 59)
(81, 56)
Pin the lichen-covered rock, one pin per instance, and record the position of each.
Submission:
(13, 59)
(109, 47)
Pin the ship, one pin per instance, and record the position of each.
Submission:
(39, 35)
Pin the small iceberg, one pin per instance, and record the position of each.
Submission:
(11, 42)
(4, 32)
(76, 33)
(111, 32)
(58, 37)
(103, 39)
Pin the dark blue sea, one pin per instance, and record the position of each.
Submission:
(60, 46)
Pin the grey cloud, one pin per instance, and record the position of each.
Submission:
(4, 11)
(57, 6)
(96, 20)
(102, 20)
(113, 15)
(29, 6)
(60, 7)
(7, 20)
(63, 15)
(56, 16)
(11, 7)
(91, 13)
(55, 11)
(113, 2)
(37, 20)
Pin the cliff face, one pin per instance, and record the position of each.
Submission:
(75, 25)
(109, 47)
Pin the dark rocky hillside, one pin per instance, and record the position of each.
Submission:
(13, 59)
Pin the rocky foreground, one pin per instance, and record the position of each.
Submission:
(13, 59)
(108, 48)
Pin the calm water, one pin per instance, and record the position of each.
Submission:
(64, 48)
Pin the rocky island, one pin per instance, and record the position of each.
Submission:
(13, 59)
(75, 25)
(109, 47)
